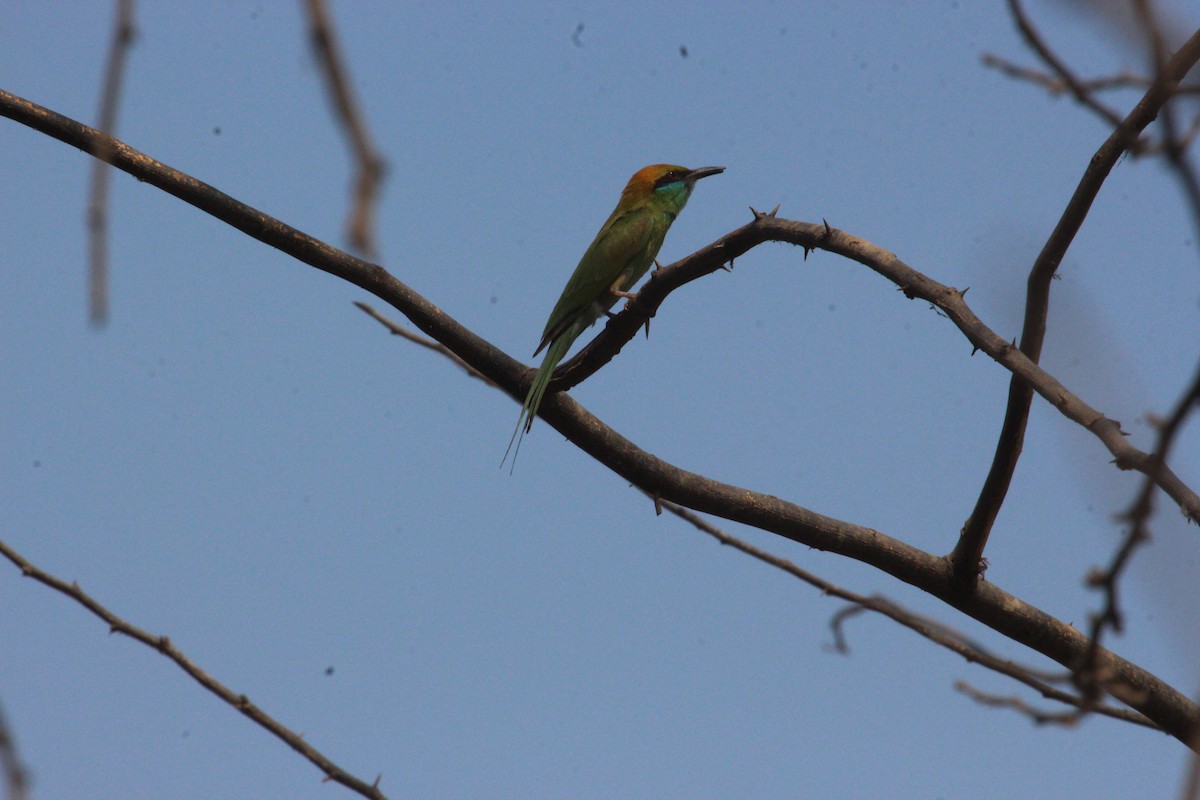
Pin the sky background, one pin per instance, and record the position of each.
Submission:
(245, 462)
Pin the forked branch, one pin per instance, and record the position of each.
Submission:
(989, 604)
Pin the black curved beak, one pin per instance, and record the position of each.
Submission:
(703, 172)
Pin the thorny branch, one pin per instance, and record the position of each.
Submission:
(989, 604)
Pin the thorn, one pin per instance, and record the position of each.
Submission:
(828, 230)
(963, 293)
(774, 210)
(806, 251)
(647, 327)
(657, 268)
(657, 504)
(974, 350)
(757, 214)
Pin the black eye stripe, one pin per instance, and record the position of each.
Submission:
(671, 177)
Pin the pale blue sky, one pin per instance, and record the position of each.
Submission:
(245, 462)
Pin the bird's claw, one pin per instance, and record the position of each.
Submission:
(629, 296)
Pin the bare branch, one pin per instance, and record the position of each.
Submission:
(360, 225)
(16, 776)
(1089, 674)
(123, 35)
(1191, 790)
(936, 632)
(933, 630)
(968, 552)
(989, 604)
(1057, 66)
(1173, 145)
(163, 645)
(1057, 85)
(421, 341)
(1064, 718)
(1138, 515)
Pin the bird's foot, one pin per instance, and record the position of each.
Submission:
(627, 295)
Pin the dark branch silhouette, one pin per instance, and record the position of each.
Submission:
(123, 35)
(164, 646)
(989, 604)
(968, 553)
(369, 164)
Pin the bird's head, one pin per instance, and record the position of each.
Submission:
(668, 184)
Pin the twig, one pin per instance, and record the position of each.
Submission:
(1173, 145)
(1064, 718)
(1073, 84)
(936, 632)
(360, 225)
(16, 776)
(428, 344)
(123, 35)
(163, 645)
(1057, 85)
(1138, 515)
(1191, 788)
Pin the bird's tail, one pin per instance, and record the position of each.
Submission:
(558, 348)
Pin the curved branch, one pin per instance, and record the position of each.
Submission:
(1003, 612)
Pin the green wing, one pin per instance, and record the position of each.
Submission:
(613, 260)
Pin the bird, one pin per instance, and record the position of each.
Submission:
(617, 258)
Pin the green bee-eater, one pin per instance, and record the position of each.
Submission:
(616, 260)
